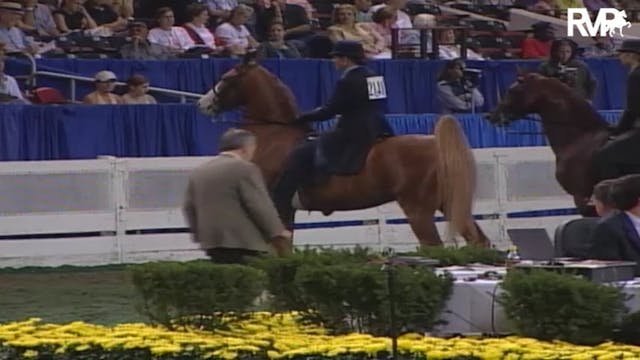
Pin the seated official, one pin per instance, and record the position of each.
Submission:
(617, 236)
(602, 198)
(228, 207)
(9, 89)
(457, 94)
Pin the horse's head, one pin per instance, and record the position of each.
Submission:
(522, 98)
(251, 86)
(228, 93)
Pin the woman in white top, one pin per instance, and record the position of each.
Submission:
(175, 38)
(449, 50)
(137, 93)
(234, 35)
(196, 27)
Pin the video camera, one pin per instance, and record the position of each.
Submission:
(566, 74)
(471, 76)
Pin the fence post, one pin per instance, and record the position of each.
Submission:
(121, 183)
(501, 194)
(73, 90)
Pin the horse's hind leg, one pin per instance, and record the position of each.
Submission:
(474, 235)
(421, 221)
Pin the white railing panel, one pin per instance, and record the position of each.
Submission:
(364, 235)
(85, 251)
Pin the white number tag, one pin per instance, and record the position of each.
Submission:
(377, 89)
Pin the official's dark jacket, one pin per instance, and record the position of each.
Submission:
(361, 122)
(631, 116)
(615, 238)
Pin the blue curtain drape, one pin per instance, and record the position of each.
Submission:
(411, 83)
(85, 132)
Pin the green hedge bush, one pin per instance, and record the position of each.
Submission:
(551, 306)
(196, 293)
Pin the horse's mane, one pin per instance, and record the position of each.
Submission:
(556, 92)
(268, 98)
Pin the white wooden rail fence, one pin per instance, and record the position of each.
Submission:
(109, 208)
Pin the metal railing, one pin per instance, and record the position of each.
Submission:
(183, 95)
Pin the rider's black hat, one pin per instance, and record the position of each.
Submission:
(350, 49)
(632, 46)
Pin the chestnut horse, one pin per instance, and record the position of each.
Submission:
(423, 173)
(573, 128)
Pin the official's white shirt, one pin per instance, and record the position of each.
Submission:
(403, 21)
(635, 221)
(9, 86)
(176, 38)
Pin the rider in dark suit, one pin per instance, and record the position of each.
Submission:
(358, 99)
(624, 150)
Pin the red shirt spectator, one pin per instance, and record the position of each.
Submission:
(538, 46)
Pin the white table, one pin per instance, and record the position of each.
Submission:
(473, 306)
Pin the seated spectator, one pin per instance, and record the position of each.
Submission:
(602, 198)
(234, 35)
(617, 236)
(364, 12)
(104, 15)
(383, 20)
(566, 4)
(539, 45)
(220, 10)
(72, 16)
(403, 21)
(174, 38)
(595, 5)
(601, 47)
(345, 28)
(105, 82)
(9, 89)
(277, 46)
(139, 48)
(448, 49)
(455, 93)
(196, 27)
(297, 24)
(138, 86)
(545, 7)
(124, 8)
(14, 39)
(563, 65)
(38, 19)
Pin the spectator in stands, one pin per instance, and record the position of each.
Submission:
(617, 236)
(105, 82)
(104, 15)
(124, 8)
(595, 5)
(277, 46)
(174, 38)
(233, 33)
(457, 93)
(14, 39)
(196, 27)
(539, 45)
(9, 89)
(545, 7)
(345, 28)
(364, 14)
(228, 208)
(72, 16)
(297, 24)
(563, 65)
(403, 21)
(601, 47)
(139, 48)
(220, 10)
(138, 86)
(602, 198)
(38, 19)
(449, 49)
(383, 20)
(566, 4)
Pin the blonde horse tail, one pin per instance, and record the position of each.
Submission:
(456, 176)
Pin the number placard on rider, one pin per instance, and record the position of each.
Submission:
(377, 89)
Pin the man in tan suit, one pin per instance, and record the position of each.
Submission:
(228, 207)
